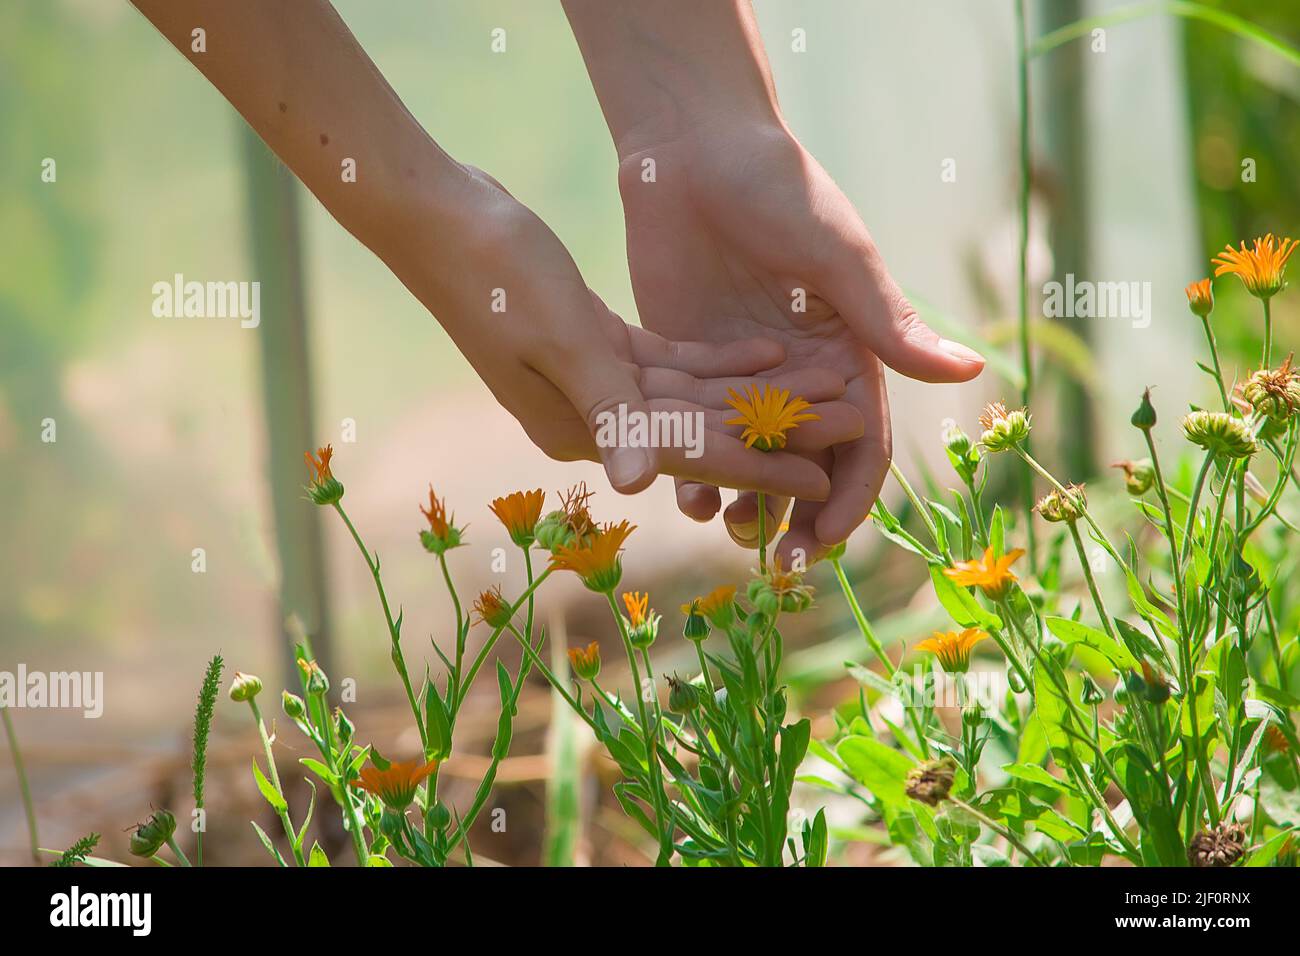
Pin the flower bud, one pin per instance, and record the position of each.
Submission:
(245, 687)
(1145, 416)
(1200, 298)
(683, 696)
(1091, 694)
(150, 836)
(1220, 434)
(317, 682)
(294, 708)
(342, 725)
(1274, 393)
(1139, 475)
(696, 627)
(322, 487)
(972, 714)
(585, 661)
(553, 531)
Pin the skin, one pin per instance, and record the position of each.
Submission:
(558, 357)
(738, 217)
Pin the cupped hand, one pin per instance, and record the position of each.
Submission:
(735, 232)
(558, 359)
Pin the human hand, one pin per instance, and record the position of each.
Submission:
(743, 234)
(557, 358)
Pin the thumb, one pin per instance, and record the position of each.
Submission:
(605, 393)
(875, 308)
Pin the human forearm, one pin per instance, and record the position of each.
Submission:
(294, 71)
(670, 67)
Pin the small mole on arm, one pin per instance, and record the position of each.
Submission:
(324, 140)
(284, 107)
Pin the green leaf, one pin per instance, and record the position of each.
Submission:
(266, 842)
(268, 791)
(317, 856)
(961, 604)
(880, 769)
(437, 723)
(1072, 632)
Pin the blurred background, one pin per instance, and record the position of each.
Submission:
(176, 435)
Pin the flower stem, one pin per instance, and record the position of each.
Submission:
(1268, 333)
(1004, 832)
(285, 820)
(1092, 581)
(24, 788)
(762, 534)
(1218, 369)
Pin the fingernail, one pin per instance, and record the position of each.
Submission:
(959, 351)
(627, 466)
(745, 530)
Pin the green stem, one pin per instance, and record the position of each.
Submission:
(180, 854)
(285, 820)
(1026, 356)
(24, 788)
(1197, 488)
(399, 659)
(762, 534)
(1002, 831)
(1092, 581)
(1218, 369)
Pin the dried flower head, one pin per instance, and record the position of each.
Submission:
(1003, 430)
(931, 782)
(1056, 507)
(1274, 393)
(953, 649)
(992, 575)
(1220, 434)
(571, 523)
(1261, 268)
(519, 512)
(767, 415)
(1222, 846)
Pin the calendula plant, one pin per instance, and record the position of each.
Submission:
(1193, 761)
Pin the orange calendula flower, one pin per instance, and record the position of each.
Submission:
(953, 649)
(1260, 268)
(322, 487)
(520, 512)
(443, 535)
(990, 574)
(595, 559)
(395, 785)
(767, 415)
(585, 661)
(492, 608)
(716, 605)
(643, 623)
(1200, 298)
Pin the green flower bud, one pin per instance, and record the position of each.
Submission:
(317, 682)
(1145, 416)
(245, 687)
(683, 697)
(343, 726)
(1091, 694)
(1055, 507)
(553, 531)
(294, 708)
(1139, 475)
(1003, 430)
(1220, 434)
(150, 836)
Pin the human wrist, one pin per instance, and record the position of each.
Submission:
(674, 69)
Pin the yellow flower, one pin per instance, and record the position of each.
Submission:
(520, 512)
(643, 623)
(768, 415)
(322, 487)
(443, 535)
(492, 608)
(585, 661)
(638, 605)
(953, 649)
(1200, 299)
(1260, 267)
(991, 575)
(595, 559)
(395, 785)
